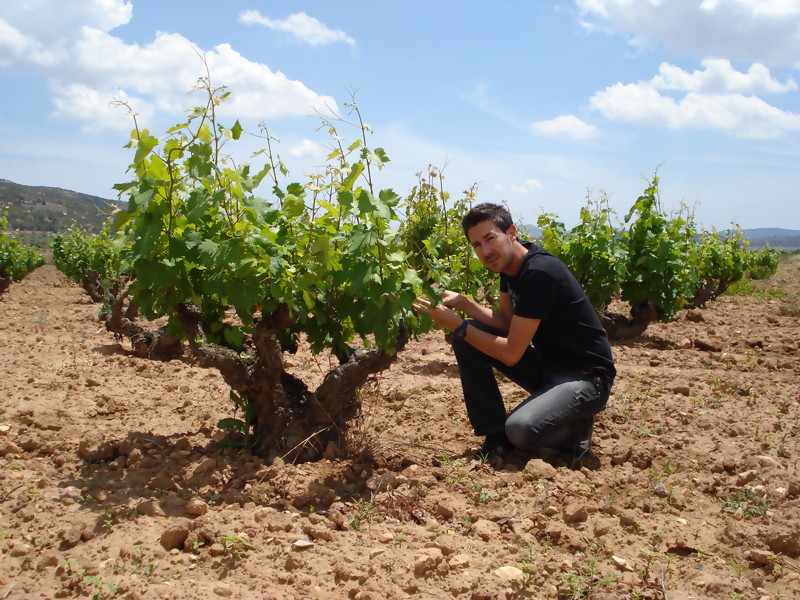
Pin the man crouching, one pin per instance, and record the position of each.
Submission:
(544, 335)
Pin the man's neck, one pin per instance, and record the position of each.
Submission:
(520, 252)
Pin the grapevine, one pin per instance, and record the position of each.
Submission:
(435, 243)
(239, 277)
(91, 260)
(655, 262)
(16, 259)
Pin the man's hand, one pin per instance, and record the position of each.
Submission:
(442, 316)
(454, 300)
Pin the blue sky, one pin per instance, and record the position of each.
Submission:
(537, 102)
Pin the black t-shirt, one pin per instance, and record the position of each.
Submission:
(570, 333)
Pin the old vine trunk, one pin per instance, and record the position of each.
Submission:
(288, 419)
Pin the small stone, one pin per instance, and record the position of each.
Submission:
(778, 493)
(746, 477)
(622, 563)
(223, 591)
(302, 544)
(175, 536)
(196, 507)
(386, 537)
(426, 560)
(707, 345)
(150, 508)
(540, 469)
(46, 560)
(383, 482)
(766, 461)
(8, 447)
(762, 557)
(486, 530)
(21, 549)
(575, 512)
(509, 573)
(459, 561)
(71, 537)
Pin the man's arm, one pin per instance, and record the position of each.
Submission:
(507, 350)
(499, 318)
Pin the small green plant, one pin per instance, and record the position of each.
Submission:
(746, 501)
(479, 495)
(366, 510)
(585, 582)
(526, 563)
(109, 518)
(85, 584)
(234, 546)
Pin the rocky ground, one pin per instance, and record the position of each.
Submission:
(113, 483)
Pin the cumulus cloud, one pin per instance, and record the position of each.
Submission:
(307, 149)
(301, 26)
(744, 116)
(566, 126)
(528, 186)
(86, 66)
(719, 76)
(765, 31)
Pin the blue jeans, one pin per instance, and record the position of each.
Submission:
(562, 403)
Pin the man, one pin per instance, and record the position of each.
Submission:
(544, 335)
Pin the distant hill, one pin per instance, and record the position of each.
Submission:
(784, 239)
(780, 239)
(34, 212)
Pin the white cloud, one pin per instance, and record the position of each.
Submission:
(300, 25)
(744, 116)
(528, 186)
(16, 48)
(49, 21)
(717, 98)
(259, 92)
(719, 76)
(766, 31)
(93, 108)
(307, 149)
(567, 125)
(86, 66)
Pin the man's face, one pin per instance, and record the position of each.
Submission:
(494, 248)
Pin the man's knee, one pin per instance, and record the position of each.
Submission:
(522, 433)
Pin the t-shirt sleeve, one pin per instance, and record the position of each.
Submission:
(536, 295)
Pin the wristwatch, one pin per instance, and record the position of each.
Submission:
(461, 331)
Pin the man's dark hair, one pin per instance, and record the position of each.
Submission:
(496, 213)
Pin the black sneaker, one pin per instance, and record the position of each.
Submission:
(496, 445)
(582, 455)
(584, 442)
